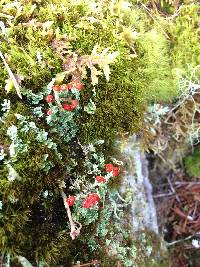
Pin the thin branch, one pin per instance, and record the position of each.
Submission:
(149, 12)
(87, 264)
(180, 240)
(2, 15)
(187, 183)
(163, 195)
(8, 260)
(195, 209)
(11, 75)
(75, 230)
(172, 188)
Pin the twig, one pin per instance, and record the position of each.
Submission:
(2, 15)
(172, 188)
(163, 195)
(86, 264)
(8, 260)
(11, 75)
(75, 231)
(186, 183)
(195, 209)
(149, 12)
(154, 5)
(176, 14)
(180, 240)
(31, 23)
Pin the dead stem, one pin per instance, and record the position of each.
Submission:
(12, 76)
(155, 19)
(172, 189)
(163, 195)
(75, 230)
(87, 264)
(180, 240)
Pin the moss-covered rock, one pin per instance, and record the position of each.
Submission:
(37, 38)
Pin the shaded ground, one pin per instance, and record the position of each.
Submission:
(177, 199)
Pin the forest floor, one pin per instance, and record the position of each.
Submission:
(177, 199)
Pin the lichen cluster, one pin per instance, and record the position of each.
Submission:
(124, 61)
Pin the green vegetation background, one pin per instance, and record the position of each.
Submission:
(151, 46)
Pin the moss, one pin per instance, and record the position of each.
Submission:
(23, 60)
(162, 86)
(192, 164)
(185, 37)
(47, 242)
(120, 105)
(128, 79)
(37, 223)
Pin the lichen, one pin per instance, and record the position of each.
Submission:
(37, 39)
